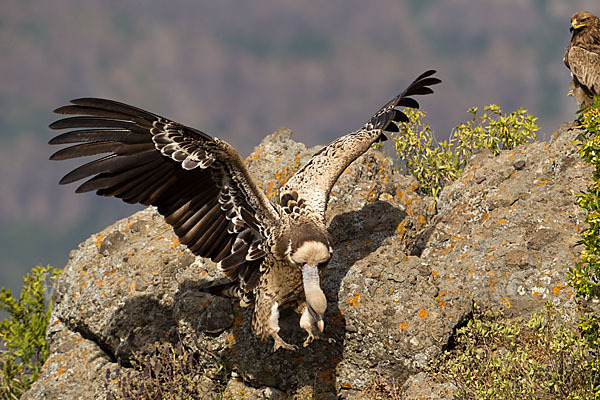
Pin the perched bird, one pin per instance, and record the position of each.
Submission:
(271, 252)
(583, 57)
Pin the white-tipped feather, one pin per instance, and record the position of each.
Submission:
(203, 188)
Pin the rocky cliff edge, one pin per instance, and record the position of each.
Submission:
(403, 277)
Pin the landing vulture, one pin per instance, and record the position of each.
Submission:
(271, 251)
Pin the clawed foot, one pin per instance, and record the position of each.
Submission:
(279, 342)
(310, 338)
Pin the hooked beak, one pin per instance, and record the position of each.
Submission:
(321, 325)
(575, 25)
(318, 318)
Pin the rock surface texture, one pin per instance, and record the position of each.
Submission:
(403, 277)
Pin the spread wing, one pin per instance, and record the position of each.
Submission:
(585, 66)
(198, 183)
(314, 181)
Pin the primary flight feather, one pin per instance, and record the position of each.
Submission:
(271, 251)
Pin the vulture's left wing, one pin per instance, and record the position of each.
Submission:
(314, 181)
(198, 183)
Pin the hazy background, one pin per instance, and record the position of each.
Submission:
(239, 70)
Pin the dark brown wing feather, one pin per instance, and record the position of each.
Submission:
(314, 181)
(198, 183)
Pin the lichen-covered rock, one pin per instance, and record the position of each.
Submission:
(403, 276)
(421, 387)
(507, 229)
(74, 369)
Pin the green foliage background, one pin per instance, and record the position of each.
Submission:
(437, 163)
(23, 333)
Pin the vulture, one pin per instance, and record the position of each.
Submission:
(271, 251)
(583, 57)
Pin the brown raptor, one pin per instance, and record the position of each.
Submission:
(583, 57)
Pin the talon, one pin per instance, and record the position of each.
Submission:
(281, 343)
(309, 340)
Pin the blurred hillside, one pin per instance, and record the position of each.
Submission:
(239, 70)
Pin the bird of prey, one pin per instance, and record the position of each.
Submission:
(583, 57)
(272, 252)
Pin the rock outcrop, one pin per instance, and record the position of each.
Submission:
(403, 277)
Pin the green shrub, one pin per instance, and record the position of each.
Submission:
(435, 164)
(585, 276)
(544, 357)
(23, 334)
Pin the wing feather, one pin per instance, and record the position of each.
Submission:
(584, 65)
(314, 181)
(199, 183)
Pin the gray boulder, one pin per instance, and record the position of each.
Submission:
(403, 277)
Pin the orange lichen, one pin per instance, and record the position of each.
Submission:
(230, 339)
(505, 302)
(255, 154)
(202, 304)
(326, 377)
(422, 314)
(403, 326)
(556, 290)
(354, 301)
(337, 319)
(100, 240)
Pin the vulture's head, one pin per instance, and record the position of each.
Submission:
(309, 255)
(583, 20)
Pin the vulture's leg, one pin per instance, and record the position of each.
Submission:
(273, 330)
(266, 321)
(308, 324)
